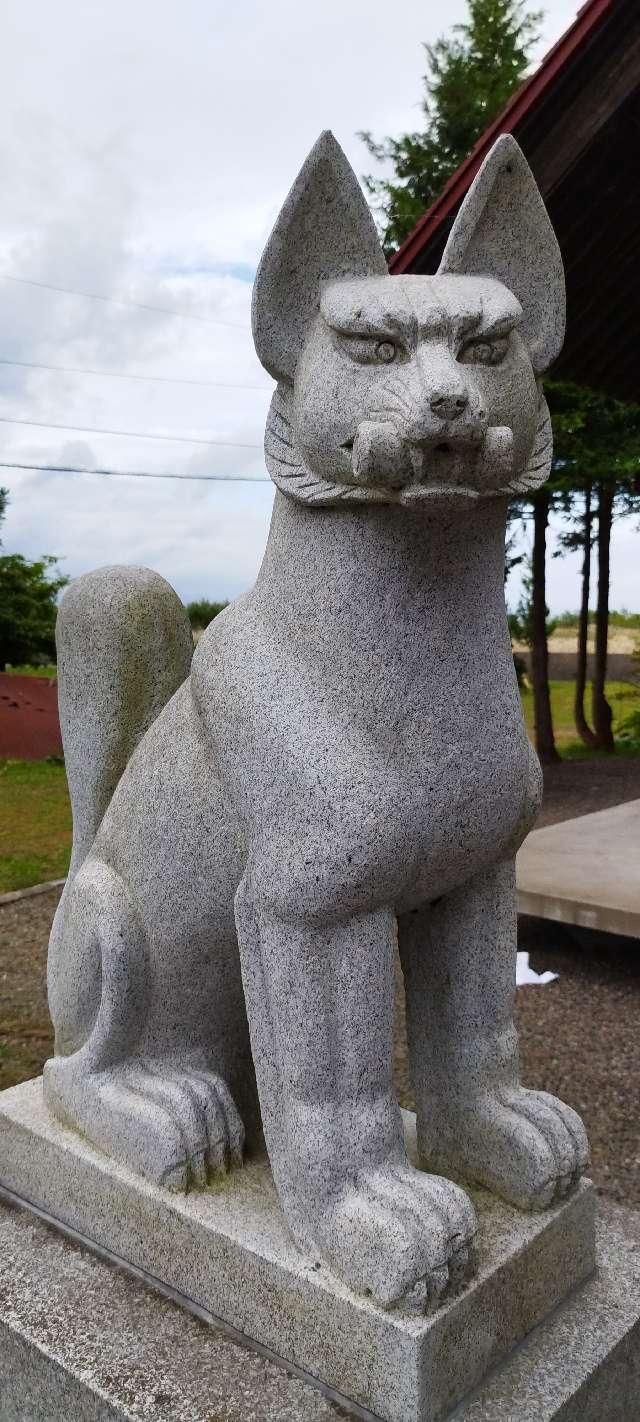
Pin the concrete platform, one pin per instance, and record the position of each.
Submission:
(82, 1340)
(585, 871)
(227, 1251)
(583, 1363)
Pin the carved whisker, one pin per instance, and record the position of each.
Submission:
(385, 411)
(392, 405)
(280, 439)
(401, 398)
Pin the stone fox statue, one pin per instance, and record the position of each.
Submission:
(341, 769)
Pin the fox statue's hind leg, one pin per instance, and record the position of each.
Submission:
(165, 1113)
(173, 1121)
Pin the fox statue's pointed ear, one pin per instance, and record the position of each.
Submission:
(325, 230)
(503, 230)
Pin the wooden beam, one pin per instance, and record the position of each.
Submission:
(580, 123)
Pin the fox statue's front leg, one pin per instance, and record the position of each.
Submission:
(475, 1120)
(320, 1000)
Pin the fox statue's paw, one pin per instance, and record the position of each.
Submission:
(176, 1125)
(525, 1146)
(395, 1232)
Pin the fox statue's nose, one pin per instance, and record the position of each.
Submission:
(450, 405)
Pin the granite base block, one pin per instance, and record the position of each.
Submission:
(583, 1363)
(84, 1341)
(227, 1251)
(81, 1341)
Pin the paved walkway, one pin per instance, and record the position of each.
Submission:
(585, 871)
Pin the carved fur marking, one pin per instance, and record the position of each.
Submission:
(290, 473)
(343, 768)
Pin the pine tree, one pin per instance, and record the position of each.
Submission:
(470, 76)
(596, 450)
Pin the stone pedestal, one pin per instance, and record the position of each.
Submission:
(226, 1251)
(84, 1341)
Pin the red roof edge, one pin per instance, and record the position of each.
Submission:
(588, 17)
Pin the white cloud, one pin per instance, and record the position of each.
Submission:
(147, 149)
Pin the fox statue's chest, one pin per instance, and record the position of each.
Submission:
(471, 803)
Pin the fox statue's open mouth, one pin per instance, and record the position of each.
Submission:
(444, 468)
(378, 464)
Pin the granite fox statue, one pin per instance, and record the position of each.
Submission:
(340, 770)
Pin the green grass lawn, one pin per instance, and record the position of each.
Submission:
(50, 671)
(35, 815)
(35, 823)
(622, 698)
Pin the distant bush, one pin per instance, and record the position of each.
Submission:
(203, 612)
(520, 623)
(628, 732)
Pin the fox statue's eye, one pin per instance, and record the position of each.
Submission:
(367, 349)
(484, 351)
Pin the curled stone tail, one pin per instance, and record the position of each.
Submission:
(124, 647)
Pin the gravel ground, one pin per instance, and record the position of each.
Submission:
(578, 787)
(580, 1040)
(580, 1036)
(25, 1026)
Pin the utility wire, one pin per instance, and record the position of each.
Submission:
(138, 473)
(129, 434)
(132, 375)
(117, 301)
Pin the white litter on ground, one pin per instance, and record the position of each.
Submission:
(525, 974)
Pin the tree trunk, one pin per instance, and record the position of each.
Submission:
(602, 714)
(545, 744)
(582, 726)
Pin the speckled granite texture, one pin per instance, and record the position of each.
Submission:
(81, 1341)
(583, 1364)
(343, 770)
(229, 1251)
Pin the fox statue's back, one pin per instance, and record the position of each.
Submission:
(343, 767)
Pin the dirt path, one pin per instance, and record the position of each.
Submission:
(579, 787)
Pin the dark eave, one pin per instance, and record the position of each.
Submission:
(577, 120)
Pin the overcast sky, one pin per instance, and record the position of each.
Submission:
(146, 148)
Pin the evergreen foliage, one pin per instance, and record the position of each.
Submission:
(470, 76)
(28, 608)
(594, 437)
(202, 612)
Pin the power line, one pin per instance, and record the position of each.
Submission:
(129, 434)
(132, 375)
(117, 301)
(137, 473)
